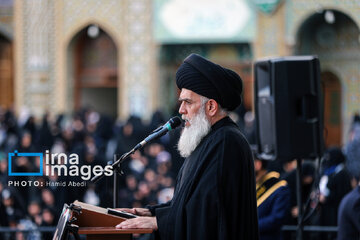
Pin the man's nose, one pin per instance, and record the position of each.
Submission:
(182, 108)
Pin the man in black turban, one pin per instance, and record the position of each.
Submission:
(214, 196)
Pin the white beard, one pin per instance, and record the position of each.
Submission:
(191, 136)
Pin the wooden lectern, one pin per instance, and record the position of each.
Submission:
(96, 224)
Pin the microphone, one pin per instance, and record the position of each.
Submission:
(173, 123)
(161, 131)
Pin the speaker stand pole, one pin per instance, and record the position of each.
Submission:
(299, 230)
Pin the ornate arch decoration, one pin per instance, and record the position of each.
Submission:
(301, 21)
(104, 26)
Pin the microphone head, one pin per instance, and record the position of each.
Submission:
(175, 122)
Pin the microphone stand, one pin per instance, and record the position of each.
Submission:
(116, 166)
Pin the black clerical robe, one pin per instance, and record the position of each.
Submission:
(215, 192)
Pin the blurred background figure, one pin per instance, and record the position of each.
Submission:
(307, 182)
(349, 210)
(334, 184)
(273, 201)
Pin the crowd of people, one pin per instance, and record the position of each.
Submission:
(148, 178)
(149, 174)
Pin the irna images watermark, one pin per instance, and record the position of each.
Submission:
(59, 164)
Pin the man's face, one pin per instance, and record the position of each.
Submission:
(197, 125)
(190, 104)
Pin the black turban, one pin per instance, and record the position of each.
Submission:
(210, 80)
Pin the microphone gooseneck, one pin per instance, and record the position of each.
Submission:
(161, 131)
(173, 123)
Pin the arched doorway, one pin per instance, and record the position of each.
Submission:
(332, 108)
(94, 70)
(6, 73)
(334, 37)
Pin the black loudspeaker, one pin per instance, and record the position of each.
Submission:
(288, 108)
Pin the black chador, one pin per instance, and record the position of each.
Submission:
(215, 191)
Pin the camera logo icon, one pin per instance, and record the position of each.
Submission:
(15, 154)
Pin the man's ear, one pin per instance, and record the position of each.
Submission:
(212, 107)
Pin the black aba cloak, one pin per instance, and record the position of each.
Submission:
(215, 192)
